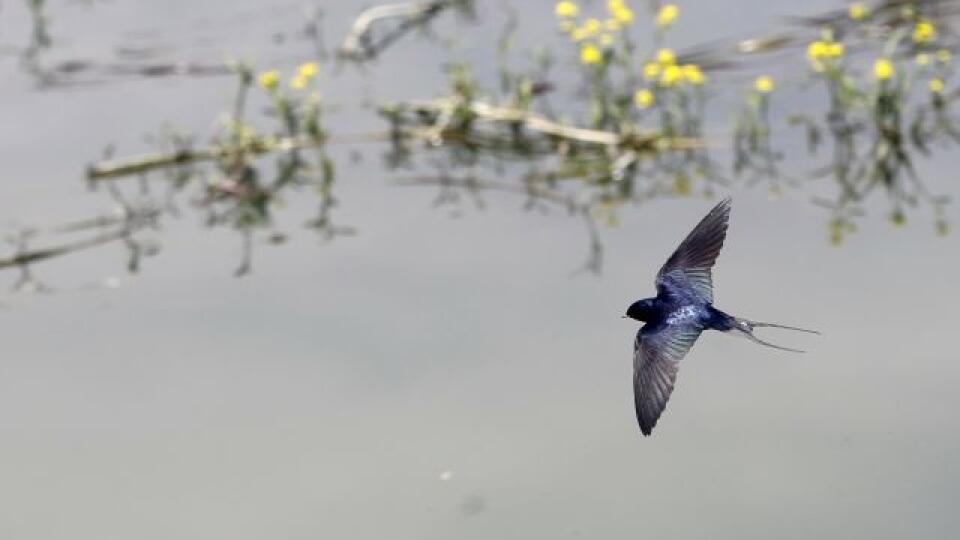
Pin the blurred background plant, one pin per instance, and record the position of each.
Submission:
(879, 76)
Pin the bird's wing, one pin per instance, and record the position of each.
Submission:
(689, 266)
(656, 358)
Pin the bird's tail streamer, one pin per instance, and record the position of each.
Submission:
(745, 328)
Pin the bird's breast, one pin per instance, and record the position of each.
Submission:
(685, 314)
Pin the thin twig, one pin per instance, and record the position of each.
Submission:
(540, 124)
(28, 257)
(359, 44)
(111, 169)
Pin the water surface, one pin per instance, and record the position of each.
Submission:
(438, 376)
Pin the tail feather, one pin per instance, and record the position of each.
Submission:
(745, 327)
(756, 324)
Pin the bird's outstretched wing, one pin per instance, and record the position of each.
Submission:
(656, 358)
(688, 269)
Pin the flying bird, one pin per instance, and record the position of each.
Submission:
(682, 309)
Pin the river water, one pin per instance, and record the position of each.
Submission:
(445, 373)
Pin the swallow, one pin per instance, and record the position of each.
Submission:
(682, 309)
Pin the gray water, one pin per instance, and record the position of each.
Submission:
(439, 376)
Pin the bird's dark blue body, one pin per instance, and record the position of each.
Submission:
(682, 309)
(668, 309)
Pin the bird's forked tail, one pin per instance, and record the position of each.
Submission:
(745, 328)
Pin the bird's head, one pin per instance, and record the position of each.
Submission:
(641, 310)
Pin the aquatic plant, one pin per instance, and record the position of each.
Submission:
(881, 73)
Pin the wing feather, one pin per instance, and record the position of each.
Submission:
(656, 359)
(689, 268)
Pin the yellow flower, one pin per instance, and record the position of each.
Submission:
(579, 34)
(667, 15)
(922, 59)
(763, 84)
(606, 40)
(651, 71)
(936, 86)
(665, 57)
(924, 32)
(308, 70)
(857, 11)
(943, 55)
(567, 10)
(624, 15)
(693, 75)
(591, 27)
(299, 82)
(269, 79)
(567, 26)
(612, 25)
(643, 99)
(305, 72)
(834, 50)
(821, 50)
(883, 69)
(590, 54)
(817, 50)
(672, 74)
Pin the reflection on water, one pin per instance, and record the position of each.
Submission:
(643, 135)
(439, 373)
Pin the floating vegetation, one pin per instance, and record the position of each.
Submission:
(881, 75)
(883, 110)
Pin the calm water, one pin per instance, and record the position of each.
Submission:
(441, 377)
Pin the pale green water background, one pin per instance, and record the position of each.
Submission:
(437, 378)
